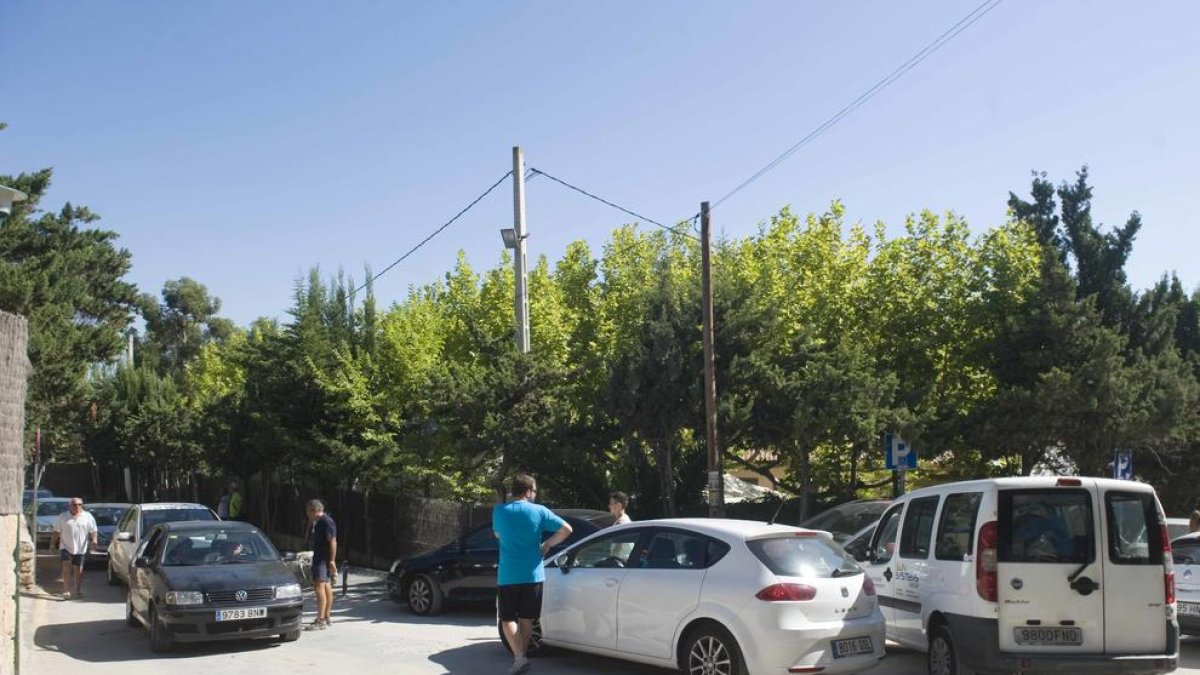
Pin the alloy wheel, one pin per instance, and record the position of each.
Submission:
(419, 595)
(709, 656)
(940, 657)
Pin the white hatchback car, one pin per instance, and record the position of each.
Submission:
(1186, 551)
(714, 597)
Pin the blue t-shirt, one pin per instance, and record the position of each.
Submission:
(520, 525)
(322, 531)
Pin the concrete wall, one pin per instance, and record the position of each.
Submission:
(14, 369)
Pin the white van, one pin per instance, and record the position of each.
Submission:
(1054, 574)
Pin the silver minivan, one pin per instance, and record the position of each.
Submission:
(1030, 575)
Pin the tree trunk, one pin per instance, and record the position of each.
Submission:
(665, 479)
(805, 484)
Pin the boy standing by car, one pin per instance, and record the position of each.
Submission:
(72, 533)
(617, 503)
(519, 524)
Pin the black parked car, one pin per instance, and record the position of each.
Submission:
(197, 581)
(464, 571)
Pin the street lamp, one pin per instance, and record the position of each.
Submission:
(8, 197)
(509, 235)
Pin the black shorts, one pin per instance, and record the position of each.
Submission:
(320, 571)
(520, 601)
(76, 559)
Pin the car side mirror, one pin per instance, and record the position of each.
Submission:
(289, 556)
(141, 562)
(124, 536)
(563, 562)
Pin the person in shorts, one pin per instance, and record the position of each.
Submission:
(322, 536)
(519, 525)
(73, 531)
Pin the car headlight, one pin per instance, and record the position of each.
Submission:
(396, 565)
(185, 598)
(287, 591)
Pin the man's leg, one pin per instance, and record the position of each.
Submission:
(79, 575)
(512, 635)
(67, 582)
(524, 633)
(322, 599)
(328, 588)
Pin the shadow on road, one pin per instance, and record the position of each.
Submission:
(487, 657)
(110, 640)
(1189, 652)
(370, 602)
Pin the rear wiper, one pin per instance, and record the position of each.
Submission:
(844, 573)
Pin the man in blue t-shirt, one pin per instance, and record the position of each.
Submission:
(519, 525)
(322, 537)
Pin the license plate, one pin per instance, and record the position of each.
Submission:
(241, 614)
(852, 647)
(1048, 637)
(1189, 608)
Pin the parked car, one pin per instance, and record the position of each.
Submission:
(198, 581)
(714, 596)
(28, 493)
(1186, 553)
(845, 520)
(137, 522)
(1177, 527)
(48, 511)
(107, 515)
(1029, 574)
(464, 571)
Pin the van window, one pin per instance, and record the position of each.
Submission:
(918, 528)
(1050, 526)
(883, 543)
(956, 530)
(1133, 534)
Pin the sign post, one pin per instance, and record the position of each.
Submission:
(1122, 465)
(900, 458)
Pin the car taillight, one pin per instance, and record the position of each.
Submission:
(985, 562)
(786, 593)
(868, 585)
(1168, 564)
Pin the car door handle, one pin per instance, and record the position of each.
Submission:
(611, 582)
(1084, 586)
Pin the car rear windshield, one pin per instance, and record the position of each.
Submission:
(1134, 537)
(808, 557)
(107, 515)
(1048, 526)
(52, 508)
(1186, 552)
(160, 516)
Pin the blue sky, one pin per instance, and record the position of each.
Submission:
(241, 143)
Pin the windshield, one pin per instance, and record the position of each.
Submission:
(847, 518)
(51, 508)
(808, 557)
(107, 515)
(159, 516)
(217, 547)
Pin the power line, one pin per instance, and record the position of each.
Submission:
(951, 33)
(438, 231)
(538, 172)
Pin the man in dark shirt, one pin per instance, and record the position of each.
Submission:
(322, 535)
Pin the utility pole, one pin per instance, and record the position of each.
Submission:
(522, 300)
(716, 477)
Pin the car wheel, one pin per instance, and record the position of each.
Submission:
(942, 658)
(536, 646)
(159, 640)
(425, 596)
(290, 636)
(131, 619)
(711, 650)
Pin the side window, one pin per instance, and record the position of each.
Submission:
(153, 545)
(126, 521)
(612, 551)
(883, 544)
(956, 529)
(675, 550)
(918, 528)
(480, 539)
(1133, 534)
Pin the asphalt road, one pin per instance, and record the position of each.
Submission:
(370, 635)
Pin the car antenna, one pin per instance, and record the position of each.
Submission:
(777, 510)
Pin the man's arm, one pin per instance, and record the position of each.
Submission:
(556, 538)
(332, 551)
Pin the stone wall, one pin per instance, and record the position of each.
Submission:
(14, 369)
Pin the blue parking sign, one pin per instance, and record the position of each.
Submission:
(900, 455)
(1122, 465)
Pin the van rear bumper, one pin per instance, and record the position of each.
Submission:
(979, 648)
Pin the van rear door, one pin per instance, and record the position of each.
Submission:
(1135, 567)
(1049, 571)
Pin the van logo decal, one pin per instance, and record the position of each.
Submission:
(1187, 574)
(1017, 583)
(845, 592)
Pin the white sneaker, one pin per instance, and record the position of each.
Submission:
(520, 665)
(66, 595)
